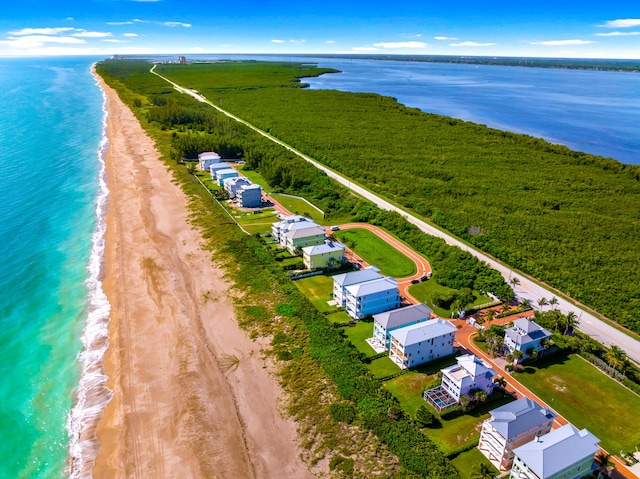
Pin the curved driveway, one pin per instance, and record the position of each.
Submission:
(527, 289)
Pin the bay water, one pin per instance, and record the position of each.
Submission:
(53, 313)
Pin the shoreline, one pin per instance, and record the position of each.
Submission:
(176, 411)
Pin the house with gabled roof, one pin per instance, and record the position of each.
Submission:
(279, 228)
(301, 235)
(222, 175)
(215, 167)
(328, 254)
(564, 453)
(249, 196)
(207, 158)
(525, 335)
(341, 281)
(232, 185)
(372, 297)
(384, 323)
(470, 373)
(511, 426)
(422, 342)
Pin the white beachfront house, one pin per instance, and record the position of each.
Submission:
(341, 281)
(299, 237)
(280, 228)
(564, 453)
(524, 336)
(208, 158)
(384, 323)
(231, 185)
(372, 297)
(328, 254)
(249, 196)
(511, 426)
(470, 373)
(423, 342)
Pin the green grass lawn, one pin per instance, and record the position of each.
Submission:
(588, 399)
(358, 335)
(299, 206)
(464, 430)
(425, 290)
(377, 252)
(255, 177)
(318, 289)
(267, 215)
(465, 462)
(408, 390)
(339, 317)
(383, 367)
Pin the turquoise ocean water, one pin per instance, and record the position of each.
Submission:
(52, 204)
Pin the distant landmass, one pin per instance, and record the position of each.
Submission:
(572, 63)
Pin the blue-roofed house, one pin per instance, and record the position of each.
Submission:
(564, 453)
(525, 335)
(372, 297)
(222, 175)
(208, 158)
(232, 185)
(423, 342)
(511, 426)
(249, 196)
(328, 254)
(214, 168)
(341, 281)
(384, 323)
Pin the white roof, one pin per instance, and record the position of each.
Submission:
(251, 186)
(372, 287)
(329, 247)
(219, 166)
(402, 316)
(471, 366)
(226, 171)
(208, 155)
(557, 450)
(416, 333)
(235, 181)
(353, 277)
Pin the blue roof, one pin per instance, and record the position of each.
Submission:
(561, 448)
(519, 416)
(525, 331)
(417, 333)
(374, 286)
(329, 247)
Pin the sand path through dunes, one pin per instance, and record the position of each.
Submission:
(193, 397)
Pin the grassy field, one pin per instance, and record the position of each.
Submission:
(377, 252)
(408, 390)
(255, 177)
(425, 290)
(358, 335)
(467, 461)
(383, 367)
(339, 317)
(318, 289)
(299, 206)
(587, 398)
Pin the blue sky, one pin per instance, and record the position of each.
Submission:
(497, 28)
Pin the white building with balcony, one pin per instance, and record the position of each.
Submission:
(384, 323)
(422, 342)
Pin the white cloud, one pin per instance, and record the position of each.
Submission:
(297, 41)
(400, 44)
(41, 31)
(472, 44)
(130, 34)
(365, 49)
(177, 24)
(445, 38)
(113, 40)
(617, 34)
(330, 41)
(278, 41)
(119, 23)
(553, 43)
(622, 23)
(85, 34)
(37, 41)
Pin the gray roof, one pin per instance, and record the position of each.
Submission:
(251, 186)
(359, 276)
(557, 450)
(525, 331)
(417, 333)
(327, 247)
(374, 286)
(402, 316)
(519, 416)
(311, 229)
(226, 171)
(220, 166)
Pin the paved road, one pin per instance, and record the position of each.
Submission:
(527, 289)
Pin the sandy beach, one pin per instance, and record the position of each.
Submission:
(193, 397)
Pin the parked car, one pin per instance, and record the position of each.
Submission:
(415, 281)
(335, 228)
(423, 278)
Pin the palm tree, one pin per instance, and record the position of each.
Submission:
(617, 359)
(553, 302)
(532, 353)
(482, 471)
(542, 302)
(526, 304)
(501, 383)
(604, 463)
(514, 282)
(570, 322)
(516, 356)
